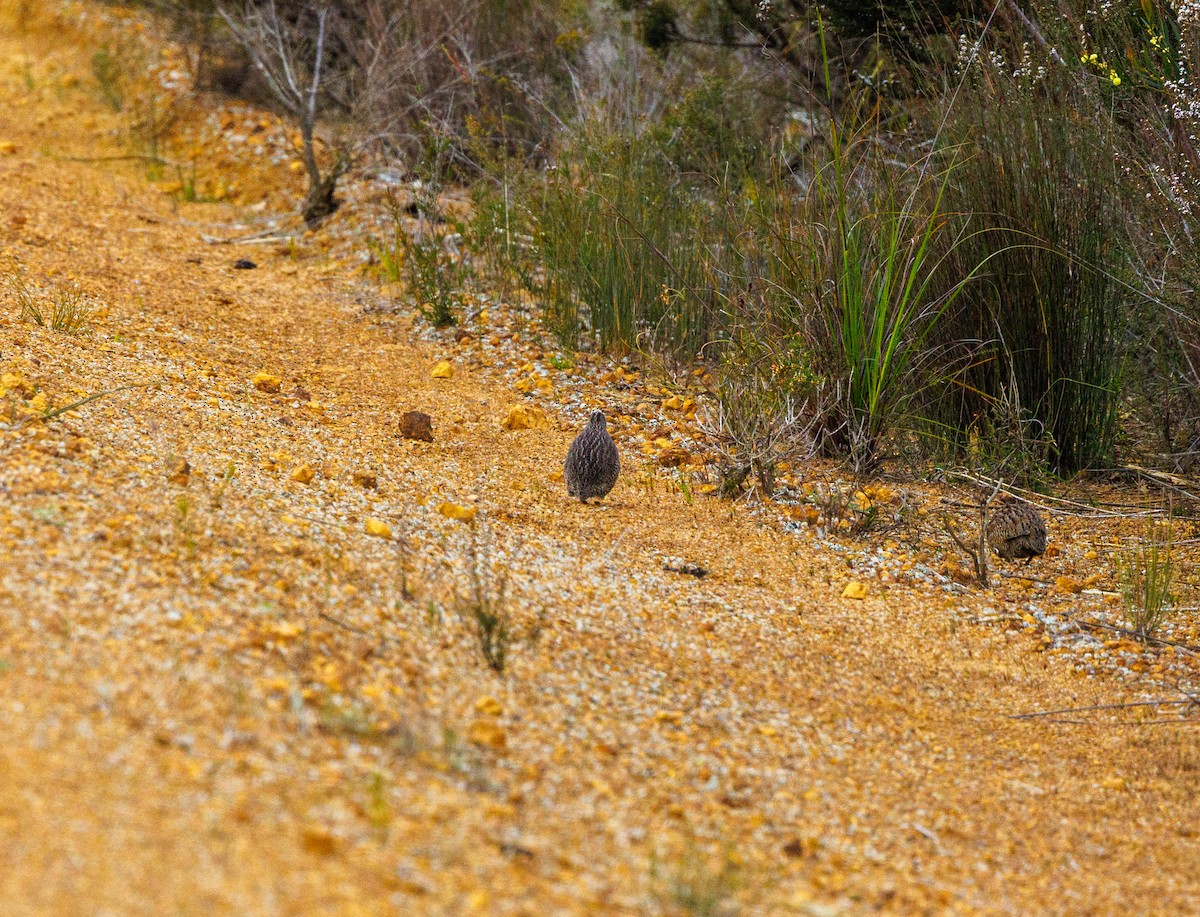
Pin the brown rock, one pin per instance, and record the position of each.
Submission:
(415, 425)
(366, 479)
(673, 457)
(181, 473)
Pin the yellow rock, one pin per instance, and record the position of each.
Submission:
(265, 382)
(454, 511)
(318, 840)
(487, 734)
(296, 166)
(287, 629)
(524, 417)
(378, 529)
(443, 370)
(303, 474)
(7, 147)
(854, 590)
(489, 705)
(1067, 585)
(1114, 783)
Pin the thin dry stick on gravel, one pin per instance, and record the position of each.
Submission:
(50, 415)
(1084, 622)
(1035, 714)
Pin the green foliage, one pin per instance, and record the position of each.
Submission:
(766, 392)
(110, 77)
(633, 256)
(485, 607)
(901, 22)
(67, 311)
(1044, 199)
(864, 254)
(1146, 571)
(695, 884)
(433, 267)
(705, 132)
(435, 276)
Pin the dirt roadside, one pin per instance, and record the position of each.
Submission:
(217, 696)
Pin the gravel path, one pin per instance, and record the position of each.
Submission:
(221, 694)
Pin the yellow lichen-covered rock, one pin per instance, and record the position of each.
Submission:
(378, 529)
(265, 382)
(854, 590)
(487, 734)
(443, 370)
(454, 511)
(488, 705)
(524, 417)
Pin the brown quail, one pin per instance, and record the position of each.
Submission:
(1016, 530)
(592, 462)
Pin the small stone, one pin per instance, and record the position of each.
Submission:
(854, 590)
(688, 569)
(318, 840)
(416, 425)
(303, 474)
(454, 511)
(488, 705)
(443, 370)
(244, 264)
(7, 147)
(487, 734)
(365, 479)
(524, 417)
(673, 457)
(378, 529)
(181, 473)
(265, 382)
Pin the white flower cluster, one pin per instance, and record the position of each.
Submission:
(1187, 12)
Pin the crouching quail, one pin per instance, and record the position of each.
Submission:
(1016, 530)
(592, 462)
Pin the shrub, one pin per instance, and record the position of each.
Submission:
(863, 257)
(1047, 315)
(1147, 573)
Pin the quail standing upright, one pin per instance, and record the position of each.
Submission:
(1016, 530)
(592, 462)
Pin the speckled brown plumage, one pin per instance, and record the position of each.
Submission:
(1016, 530)
(592, 462)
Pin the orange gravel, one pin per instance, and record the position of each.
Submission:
(222, 695)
